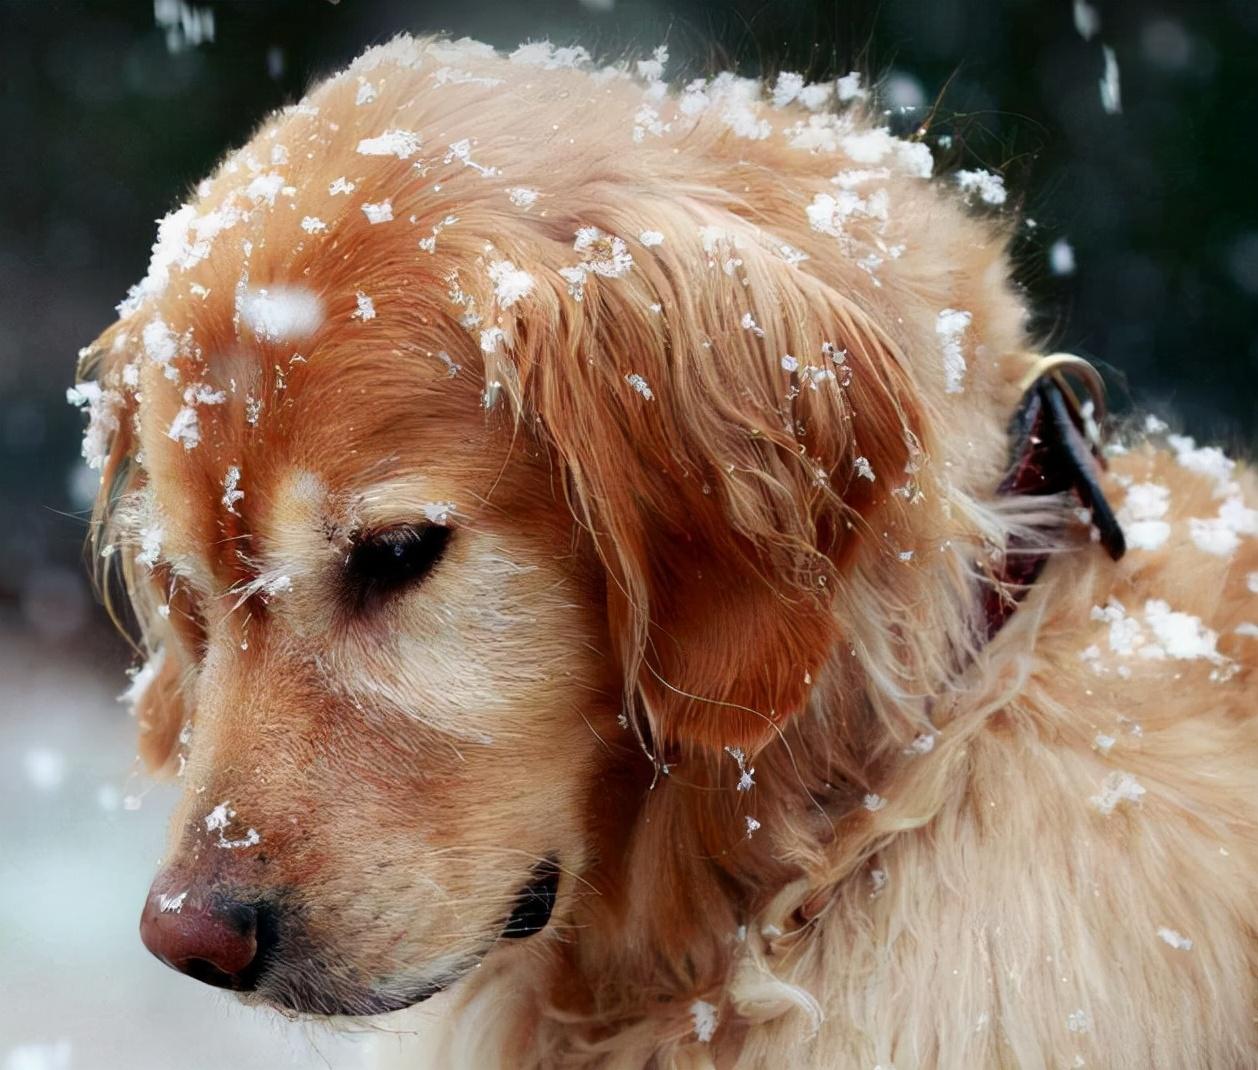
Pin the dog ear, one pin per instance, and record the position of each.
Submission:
(159, 713)
(726, 421)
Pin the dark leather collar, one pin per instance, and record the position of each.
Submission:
(1055, 450)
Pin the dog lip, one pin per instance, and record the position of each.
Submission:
(533, 906)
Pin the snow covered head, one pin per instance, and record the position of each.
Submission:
(489, 420)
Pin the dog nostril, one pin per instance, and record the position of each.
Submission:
(206, 972)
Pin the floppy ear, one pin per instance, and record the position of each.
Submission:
(159, 713)
(726, 421)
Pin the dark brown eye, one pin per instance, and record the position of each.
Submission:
(384, 563)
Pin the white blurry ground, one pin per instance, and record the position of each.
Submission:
(75, 981)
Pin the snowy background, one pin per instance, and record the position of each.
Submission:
(1144, 255)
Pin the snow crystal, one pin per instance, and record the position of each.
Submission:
(380, 212)
(278, 313)
(545, 55)
(1221, 534)
(864, 469)
(1061, 257)
(491, 338)
(1116, 788)
(652, 70)
(160, 344)
(874, 802)
(1180, 635)
(150, 546)
(1175, 939)
(312, 224)
(231, 492)
(522, 196)
(877, 882)
(510, 283)
(990, 187)
(1207, 461)
(366, 308)
(748, 323)
(789, 363)
(400, 143)
(366, 92)
(1111, 93)
(1104, 743)
(950, 325)
(1078, 1021)
(745, 775)
(922, 744)
(603, 254)
(1141, 516)
(265, 187)
(462, 151)
(640, 385)
(438, 512)
(341, 185)
(45, 768)
(705, 1020)
(752, 825)
(185, 428)
(651, 237)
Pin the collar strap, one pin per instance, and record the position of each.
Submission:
(1056, 448)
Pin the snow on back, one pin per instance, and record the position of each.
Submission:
(510, 283)
(400, 143)
(379, 212)
(989, 187)
(280, 313)
(951, 324)
(1141, 516)
(102, 419)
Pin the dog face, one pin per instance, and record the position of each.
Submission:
(450, 467)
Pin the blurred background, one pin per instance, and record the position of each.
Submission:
(1122, 129)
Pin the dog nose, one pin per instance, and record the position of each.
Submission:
(212, 939)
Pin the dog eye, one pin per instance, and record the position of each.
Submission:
(383, 563)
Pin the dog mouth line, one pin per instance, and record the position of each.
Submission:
(530, 914)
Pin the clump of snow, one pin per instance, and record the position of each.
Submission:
(545, 55)
(603, 254)
(789, 363)
(510, 283)
(400, 143)
(849, 87)
(705, 1020)
(1061, 257)
(102, 419)
(640, 385)
(922, 744)
(1181, 635)
(951, 325)
(340, 185)
(438, 512)
(378, 212)
(1117, 788)
(874, 802)
(752, 825)
(462, 151)
(864, 469)
(651, 237)
(231, 489)
(265, 187)
(160, 344)
(748, 323)
(1221, 535)
(491, 338)
(745, 775)
(1174, 939)
(522, 196)
(367, 92)
(1141, 516)
(989, 187)
(313, 224)
(1077, 1021)
(366, 308)
(1207, 460)
(280, 313)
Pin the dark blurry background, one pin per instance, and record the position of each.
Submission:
(108, 118)
(1143, 255)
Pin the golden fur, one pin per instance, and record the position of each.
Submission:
(646, 595)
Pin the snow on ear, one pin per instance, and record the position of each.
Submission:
(726, 422)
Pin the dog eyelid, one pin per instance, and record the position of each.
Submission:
(387, 561)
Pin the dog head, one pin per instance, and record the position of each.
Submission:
(471, 436)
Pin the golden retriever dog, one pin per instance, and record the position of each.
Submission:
(614, 553)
